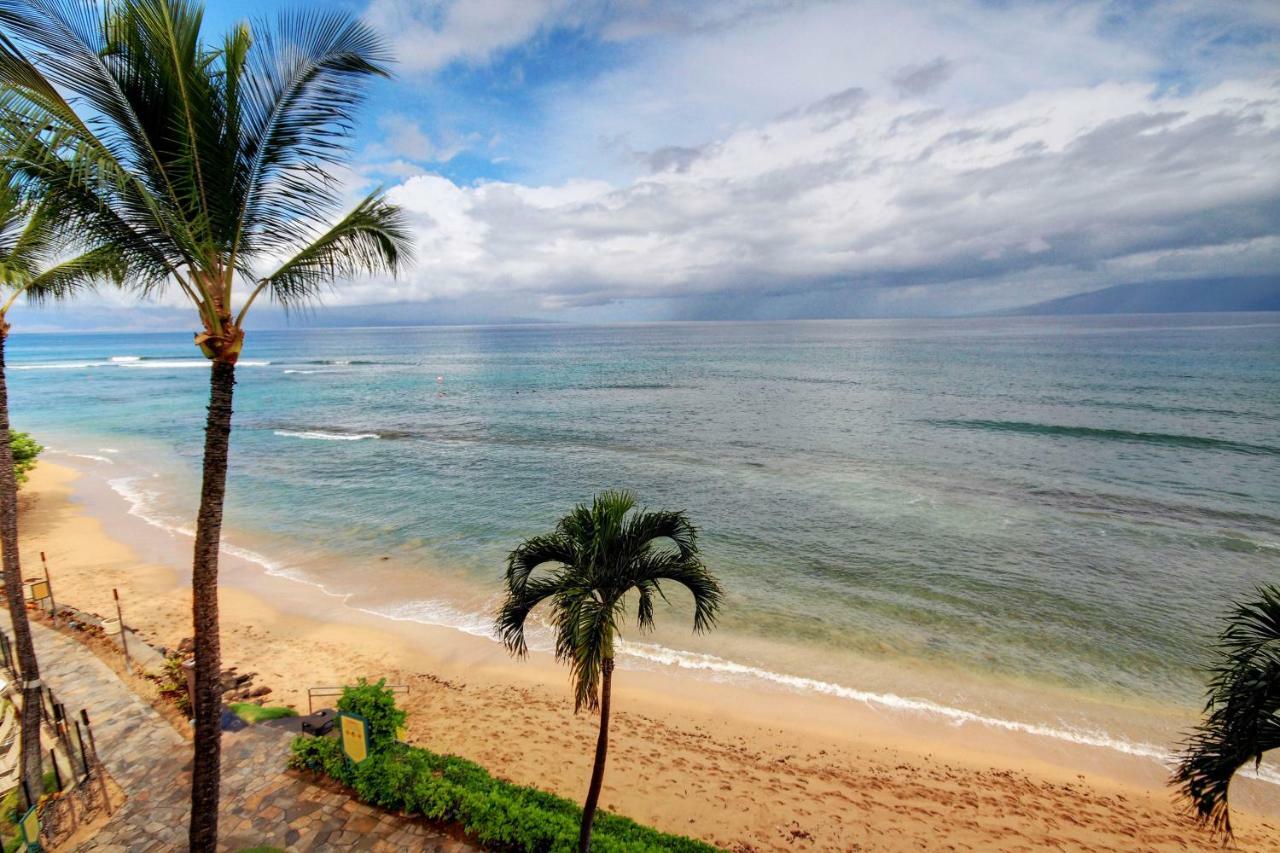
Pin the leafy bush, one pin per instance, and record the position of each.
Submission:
(251, 713)
(25, 450)
(447, 789)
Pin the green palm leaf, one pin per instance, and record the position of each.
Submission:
(1242, 713)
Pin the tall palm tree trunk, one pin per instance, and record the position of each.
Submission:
(207, 702)
(29, 750)
(602, 750)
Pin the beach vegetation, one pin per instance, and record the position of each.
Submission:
(252, 713)
(213, 167)
(600, 559)
(25, 449)
(40, 261)
(1242, 714)
(497, 814)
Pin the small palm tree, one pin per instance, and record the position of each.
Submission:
(212, 167)
(1243, 712)
(600, 554)
(33, 264)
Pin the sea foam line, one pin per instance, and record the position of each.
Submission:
(319, 435)
(442, 614)
(92, 456)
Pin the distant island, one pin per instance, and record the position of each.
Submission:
(1254, 293)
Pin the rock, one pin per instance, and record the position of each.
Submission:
(259, 691)
(187, 645)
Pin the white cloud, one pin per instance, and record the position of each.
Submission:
(1068, 189)
(426, 35)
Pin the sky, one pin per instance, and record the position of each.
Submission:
(602, 161)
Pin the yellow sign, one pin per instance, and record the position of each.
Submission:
(39, 590)
(355, 737)
(30, 826)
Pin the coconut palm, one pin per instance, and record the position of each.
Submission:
(1243, 712)
(597, 557)
(34, 265)
(212, 168)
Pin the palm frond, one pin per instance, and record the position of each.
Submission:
(652, 569)
(534, 552)
(372, 238)
(1242, 712)
(301, 91)
(645, 527)
(64, 280)
(516, 607)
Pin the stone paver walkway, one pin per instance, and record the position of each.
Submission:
(262, 803)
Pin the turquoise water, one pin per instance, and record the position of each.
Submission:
(1069, 502)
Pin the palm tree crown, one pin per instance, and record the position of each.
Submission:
(602, 553)
(201, 163)
(1243, 712)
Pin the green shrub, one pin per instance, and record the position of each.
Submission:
(25, 450)
(251, 713)
(444, 788)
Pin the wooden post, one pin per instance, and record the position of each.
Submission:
(124, 638)
(84, 753)
(53, 606)
(97, 762)
(57, 774)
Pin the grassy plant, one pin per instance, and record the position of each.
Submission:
(251, 713)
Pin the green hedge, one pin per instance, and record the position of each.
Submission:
(448, 789)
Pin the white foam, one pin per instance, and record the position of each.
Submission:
(318, 435)
(91, 456)
(434, 612)
(60, 365)
(294, 370)
(107, 450)
(132, 362)
(696, 661)
(142, 505)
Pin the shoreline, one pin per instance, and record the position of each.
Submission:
(752, 768)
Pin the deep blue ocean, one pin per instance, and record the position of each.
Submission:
(1069, 502)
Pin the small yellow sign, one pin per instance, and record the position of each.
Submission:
(30, 826)
(355, 737)
(39, 590)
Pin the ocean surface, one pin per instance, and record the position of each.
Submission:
(902, 512)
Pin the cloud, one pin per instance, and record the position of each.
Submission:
(916, 80)
(1055, 192)
(429, 34)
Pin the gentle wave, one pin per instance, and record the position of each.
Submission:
(142, 505)
(132, 363)
(1159, 438)
(318, 435)
(711, 663)
(91, 456)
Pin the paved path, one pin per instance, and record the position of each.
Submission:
(262, 804)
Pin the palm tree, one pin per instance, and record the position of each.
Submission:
(32, 266)
(1243, 712)
(206, 165)
(600, 554)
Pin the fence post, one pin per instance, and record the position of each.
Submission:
(57, 774)
(53, 606)
(124, 636)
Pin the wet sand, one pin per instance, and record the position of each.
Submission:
(745, 768)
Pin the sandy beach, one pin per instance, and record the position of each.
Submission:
(746, 769)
